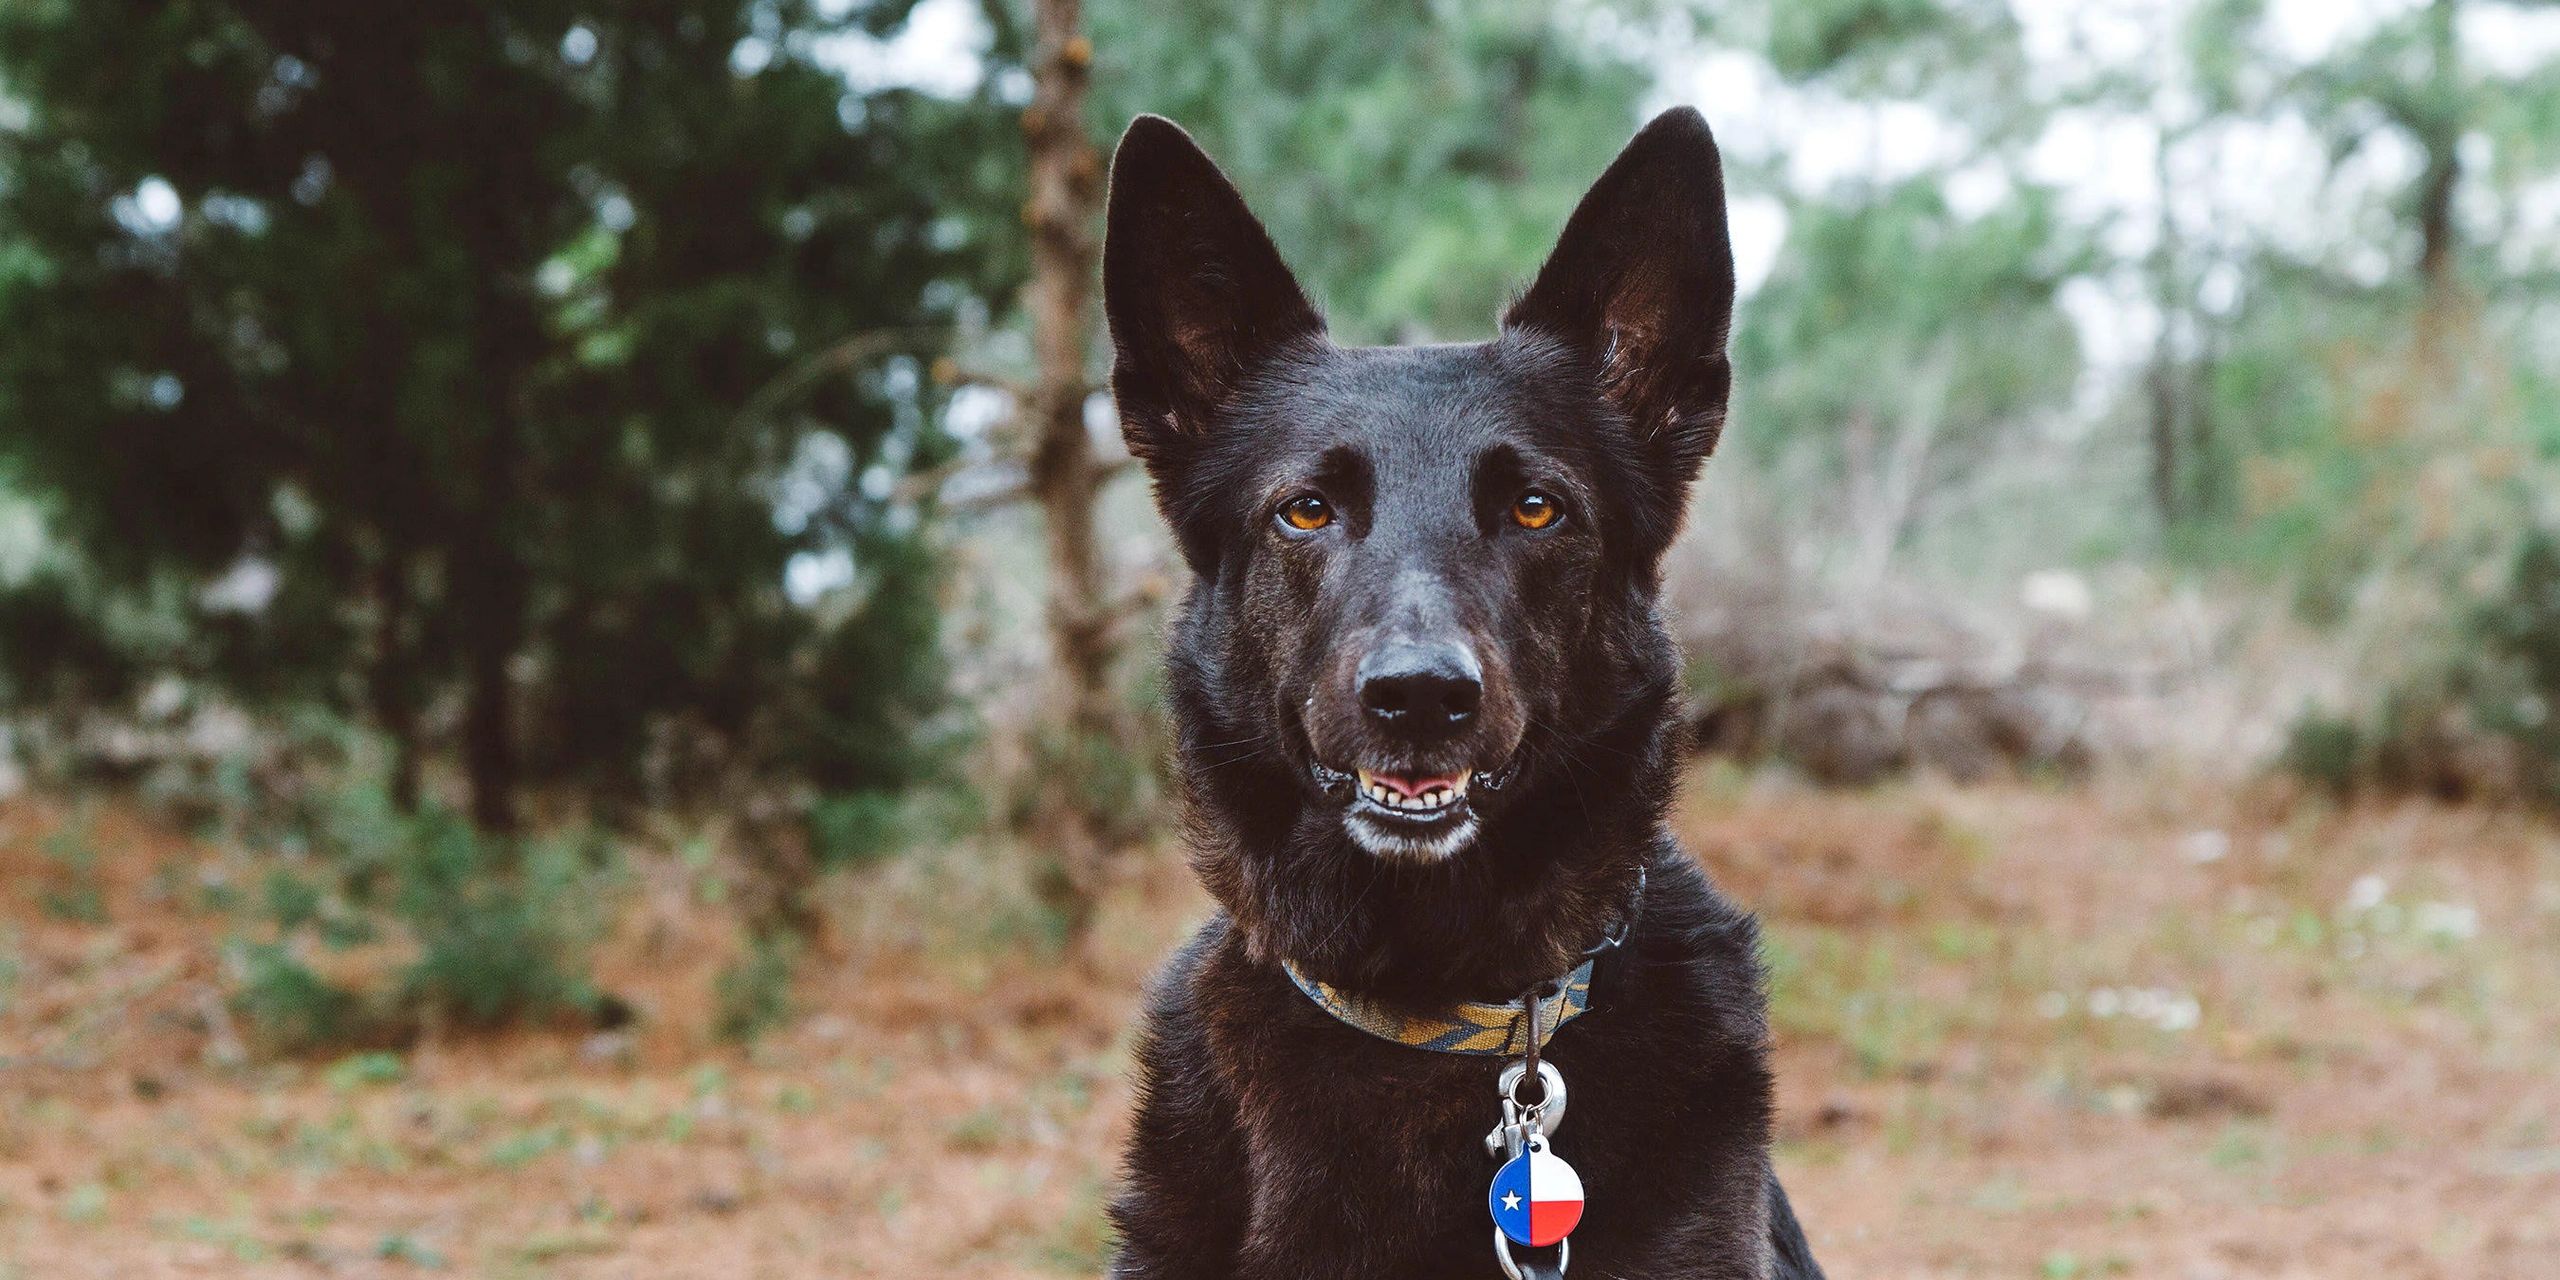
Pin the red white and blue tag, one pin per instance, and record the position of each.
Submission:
(1536, 1198)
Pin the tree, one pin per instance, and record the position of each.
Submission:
(498, 329)
(1066, 476)
(1903, 347)
(1413, 160)
(2381, 377)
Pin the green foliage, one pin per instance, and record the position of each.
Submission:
(76, 893)
(753, 996)
(1952, 50)
(494, 945)
(1413, 162)
(2324, 748)
(58, 648)
(2514, 691)
(496, 334)
(444, 925)
(1888, 310)
(531, 345)
(856, 828)
(366, 1070)
(288, 1006)
(2481, 718)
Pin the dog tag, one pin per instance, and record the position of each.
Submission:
(1536, 1197)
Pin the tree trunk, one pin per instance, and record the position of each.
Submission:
(491, 615)
(392, 677)
(490, 573)
(2441, 136)
(1065, 477)
(2161, 380)
(488, 717)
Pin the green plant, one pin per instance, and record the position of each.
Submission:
(2325, 748)
(13, 968)
(78, 897)
(477, 931)
(754, 994)
(289, 1007)
(2479, 717)
(854, 828)
(2522, 626)
(364, 1070)
(495, 945)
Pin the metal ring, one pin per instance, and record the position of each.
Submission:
(1550, 1107)
(1502, 1254)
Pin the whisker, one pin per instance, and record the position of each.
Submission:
(1256, 736)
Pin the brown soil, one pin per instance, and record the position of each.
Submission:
(2136, 1029)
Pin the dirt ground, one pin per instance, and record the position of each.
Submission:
(2143, 1028)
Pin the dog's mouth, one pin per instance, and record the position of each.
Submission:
(1422, 796)
(1409, 814)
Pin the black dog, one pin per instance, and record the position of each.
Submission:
(1429, 724)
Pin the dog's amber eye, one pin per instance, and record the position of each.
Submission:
(1536, 510)
(1307, 514)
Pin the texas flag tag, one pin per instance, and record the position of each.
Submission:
(1536, 1198)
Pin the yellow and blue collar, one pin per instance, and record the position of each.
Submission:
(1476, 1026)
(1469, 1027)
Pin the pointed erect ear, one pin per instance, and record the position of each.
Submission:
(1195, 293)
(1641, 284)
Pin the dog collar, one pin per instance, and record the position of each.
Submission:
(1472, 1026)
(1476, 1026)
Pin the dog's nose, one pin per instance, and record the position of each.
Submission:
(1421, 691)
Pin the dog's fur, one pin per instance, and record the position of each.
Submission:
(1271, 1139)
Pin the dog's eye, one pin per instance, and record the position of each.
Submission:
(1307, 513)
(1536, 510)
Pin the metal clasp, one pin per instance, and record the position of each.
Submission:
(1519, 1119)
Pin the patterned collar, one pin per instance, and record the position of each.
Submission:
(1476, 1026)
(1472, 1026)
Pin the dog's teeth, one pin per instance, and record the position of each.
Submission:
(1439, 796)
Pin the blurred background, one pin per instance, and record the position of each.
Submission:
(577, 645)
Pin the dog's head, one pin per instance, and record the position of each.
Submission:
(1418, 561)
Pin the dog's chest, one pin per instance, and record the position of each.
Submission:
(1371, 1155)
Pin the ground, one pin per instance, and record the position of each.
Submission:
(2144, 1027)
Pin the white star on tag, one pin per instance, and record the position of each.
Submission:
(1511, 1201)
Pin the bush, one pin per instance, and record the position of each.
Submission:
(497, 944)
(2523, 628)
(465, 930)
(855, 828)
(754, 995)
(287, 1006)
(2476, 721)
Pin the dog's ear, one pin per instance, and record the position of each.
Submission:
(1641, 284)
(1195, 293)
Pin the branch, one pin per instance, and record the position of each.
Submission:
(1018, 487)
(846, 354)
